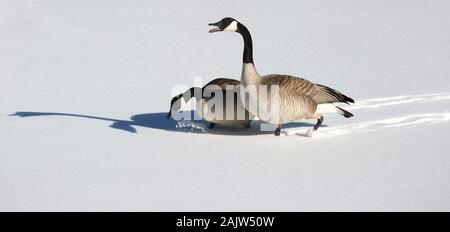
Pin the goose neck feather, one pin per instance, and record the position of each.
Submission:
(249, 75)
(248, 45)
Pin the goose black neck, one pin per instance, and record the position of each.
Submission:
(248, 45)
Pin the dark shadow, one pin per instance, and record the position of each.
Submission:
(159, 121)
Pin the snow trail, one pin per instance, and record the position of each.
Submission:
(375, 125)
(375, 103)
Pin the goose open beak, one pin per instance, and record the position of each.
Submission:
(214, 30)
(216, 27)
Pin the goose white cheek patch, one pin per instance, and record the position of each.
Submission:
(232, 27)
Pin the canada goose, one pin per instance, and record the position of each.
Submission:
(297, 98)
(228, 119)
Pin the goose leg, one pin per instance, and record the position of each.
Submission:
(309, 133)
(319, 123)
(278, 130)
(211, 125)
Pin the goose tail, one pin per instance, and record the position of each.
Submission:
(344, 112)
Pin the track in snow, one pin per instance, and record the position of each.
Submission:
(158, 120)
(386, 123)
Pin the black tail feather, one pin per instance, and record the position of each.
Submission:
(345, 113)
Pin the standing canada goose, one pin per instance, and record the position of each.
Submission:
(297, 98)
(228, 119)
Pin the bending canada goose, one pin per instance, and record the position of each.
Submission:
(297, 98)
(228, 119)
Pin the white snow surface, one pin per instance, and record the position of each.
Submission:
(85, 87)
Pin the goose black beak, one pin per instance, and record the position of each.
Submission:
(169, 115)
(216, 27)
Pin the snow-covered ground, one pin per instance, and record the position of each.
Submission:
(85, 86)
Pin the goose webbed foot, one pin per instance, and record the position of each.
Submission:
(278, 130)
(247, 124)
(309, 132)
(211, 125)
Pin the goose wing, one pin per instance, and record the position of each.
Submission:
(327, 95)
(319, 93)
(222, 82)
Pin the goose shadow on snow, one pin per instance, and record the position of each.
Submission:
(159, 121)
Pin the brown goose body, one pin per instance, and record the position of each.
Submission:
(237, 116)
(295, 99)
(205, 103)
(298, 98)
(296, 85)
(222, 83)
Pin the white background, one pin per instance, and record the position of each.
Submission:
(104, 62)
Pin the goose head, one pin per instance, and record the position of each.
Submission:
(226, 24)
(176, 104)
